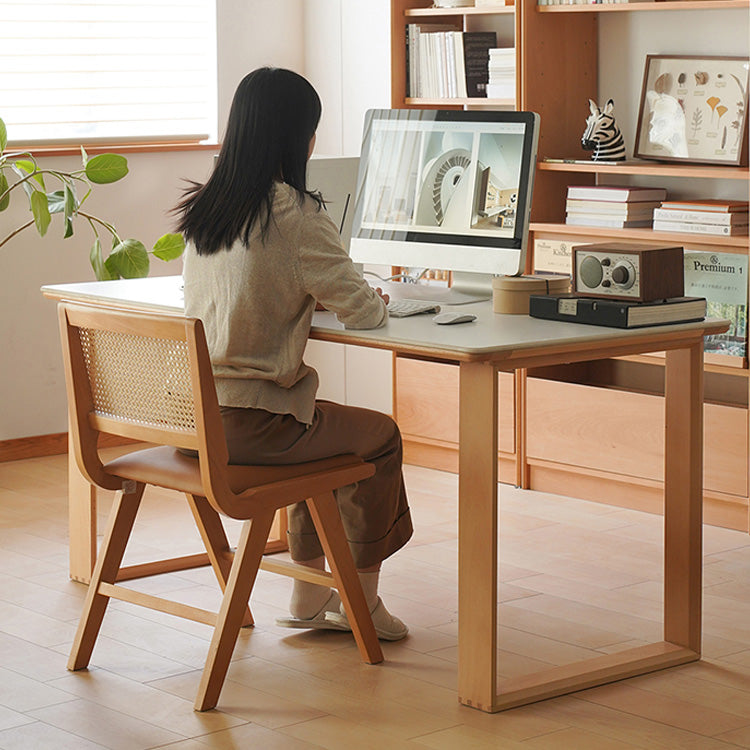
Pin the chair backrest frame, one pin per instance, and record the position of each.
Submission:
(207, 434)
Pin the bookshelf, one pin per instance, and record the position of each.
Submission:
(592, 428)
(501, 19)
(625, 396)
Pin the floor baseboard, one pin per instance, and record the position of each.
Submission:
(37, 446)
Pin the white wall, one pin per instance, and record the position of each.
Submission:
(250, 33)
(348, 61)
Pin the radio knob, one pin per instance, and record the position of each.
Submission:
(606, 261)
(591, 272)
(623, 274)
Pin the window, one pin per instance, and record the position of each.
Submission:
(88, 71)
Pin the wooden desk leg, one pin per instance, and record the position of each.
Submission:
(522, 466)
(81, 522)
(683, 497)
(477, 535)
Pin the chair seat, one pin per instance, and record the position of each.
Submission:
(165, 466)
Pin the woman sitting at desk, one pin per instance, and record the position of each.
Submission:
(261, 251)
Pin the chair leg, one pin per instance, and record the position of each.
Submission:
(242, 576)
(215, 540)
(327, 519)
(119, 526)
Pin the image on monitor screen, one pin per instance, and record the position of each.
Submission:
(445, 189)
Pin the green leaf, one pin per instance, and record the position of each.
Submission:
(97, 263)
(106, 168)
(169, 247)
(71, 204)
(4, 202)
(84, 156)
(56, 202)
(129, 259)
(40, 210)
(26, 167)
(3, 135)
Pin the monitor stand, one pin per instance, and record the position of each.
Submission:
(466, 288)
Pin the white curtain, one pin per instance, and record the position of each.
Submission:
(88, 71)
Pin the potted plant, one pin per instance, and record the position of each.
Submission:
(127, 258)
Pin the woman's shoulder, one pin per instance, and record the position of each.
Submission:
(301, 207)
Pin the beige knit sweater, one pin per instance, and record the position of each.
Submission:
(257, 303)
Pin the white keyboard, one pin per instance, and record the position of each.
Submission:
(401, 308)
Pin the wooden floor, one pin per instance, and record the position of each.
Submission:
(577, 579)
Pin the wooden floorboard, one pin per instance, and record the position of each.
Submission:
(577, 580)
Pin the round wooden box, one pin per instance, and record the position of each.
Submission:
(510, 294)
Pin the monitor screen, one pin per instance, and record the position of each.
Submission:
(445, 189)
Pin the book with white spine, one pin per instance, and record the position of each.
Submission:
(695, 228)
(702, 217)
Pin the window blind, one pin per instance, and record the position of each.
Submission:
(88, 71)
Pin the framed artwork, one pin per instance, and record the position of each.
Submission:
(693, 109)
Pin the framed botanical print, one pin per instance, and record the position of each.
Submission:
(693, 109)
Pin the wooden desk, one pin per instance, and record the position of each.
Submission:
(505, 343)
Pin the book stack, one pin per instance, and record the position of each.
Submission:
(612, 206)
(501, 83)
(444, 63)
(708, 216)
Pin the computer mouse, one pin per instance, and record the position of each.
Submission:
(449, 318)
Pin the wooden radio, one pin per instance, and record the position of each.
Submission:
(641, 273)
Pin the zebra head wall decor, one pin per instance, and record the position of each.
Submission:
(602, 136)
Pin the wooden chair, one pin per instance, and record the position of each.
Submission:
(148, 377)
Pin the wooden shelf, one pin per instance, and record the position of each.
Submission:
(437, 12)
(666, 5)
(459, 102)
(726, 244)
(653, 168)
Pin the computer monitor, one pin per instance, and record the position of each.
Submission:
(446, 189)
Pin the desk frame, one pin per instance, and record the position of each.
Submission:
(478, 546)
(478, 685)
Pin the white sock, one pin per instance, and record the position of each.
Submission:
(387, 626)
(369, 583)
(309, 598)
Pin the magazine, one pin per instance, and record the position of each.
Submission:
(722, 279)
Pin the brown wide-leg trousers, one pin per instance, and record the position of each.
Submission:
(375, 512)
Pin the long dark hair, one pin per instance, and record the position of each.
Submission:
(274, 115)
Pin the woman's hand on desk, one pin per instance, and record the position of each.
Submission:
(385, 297)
